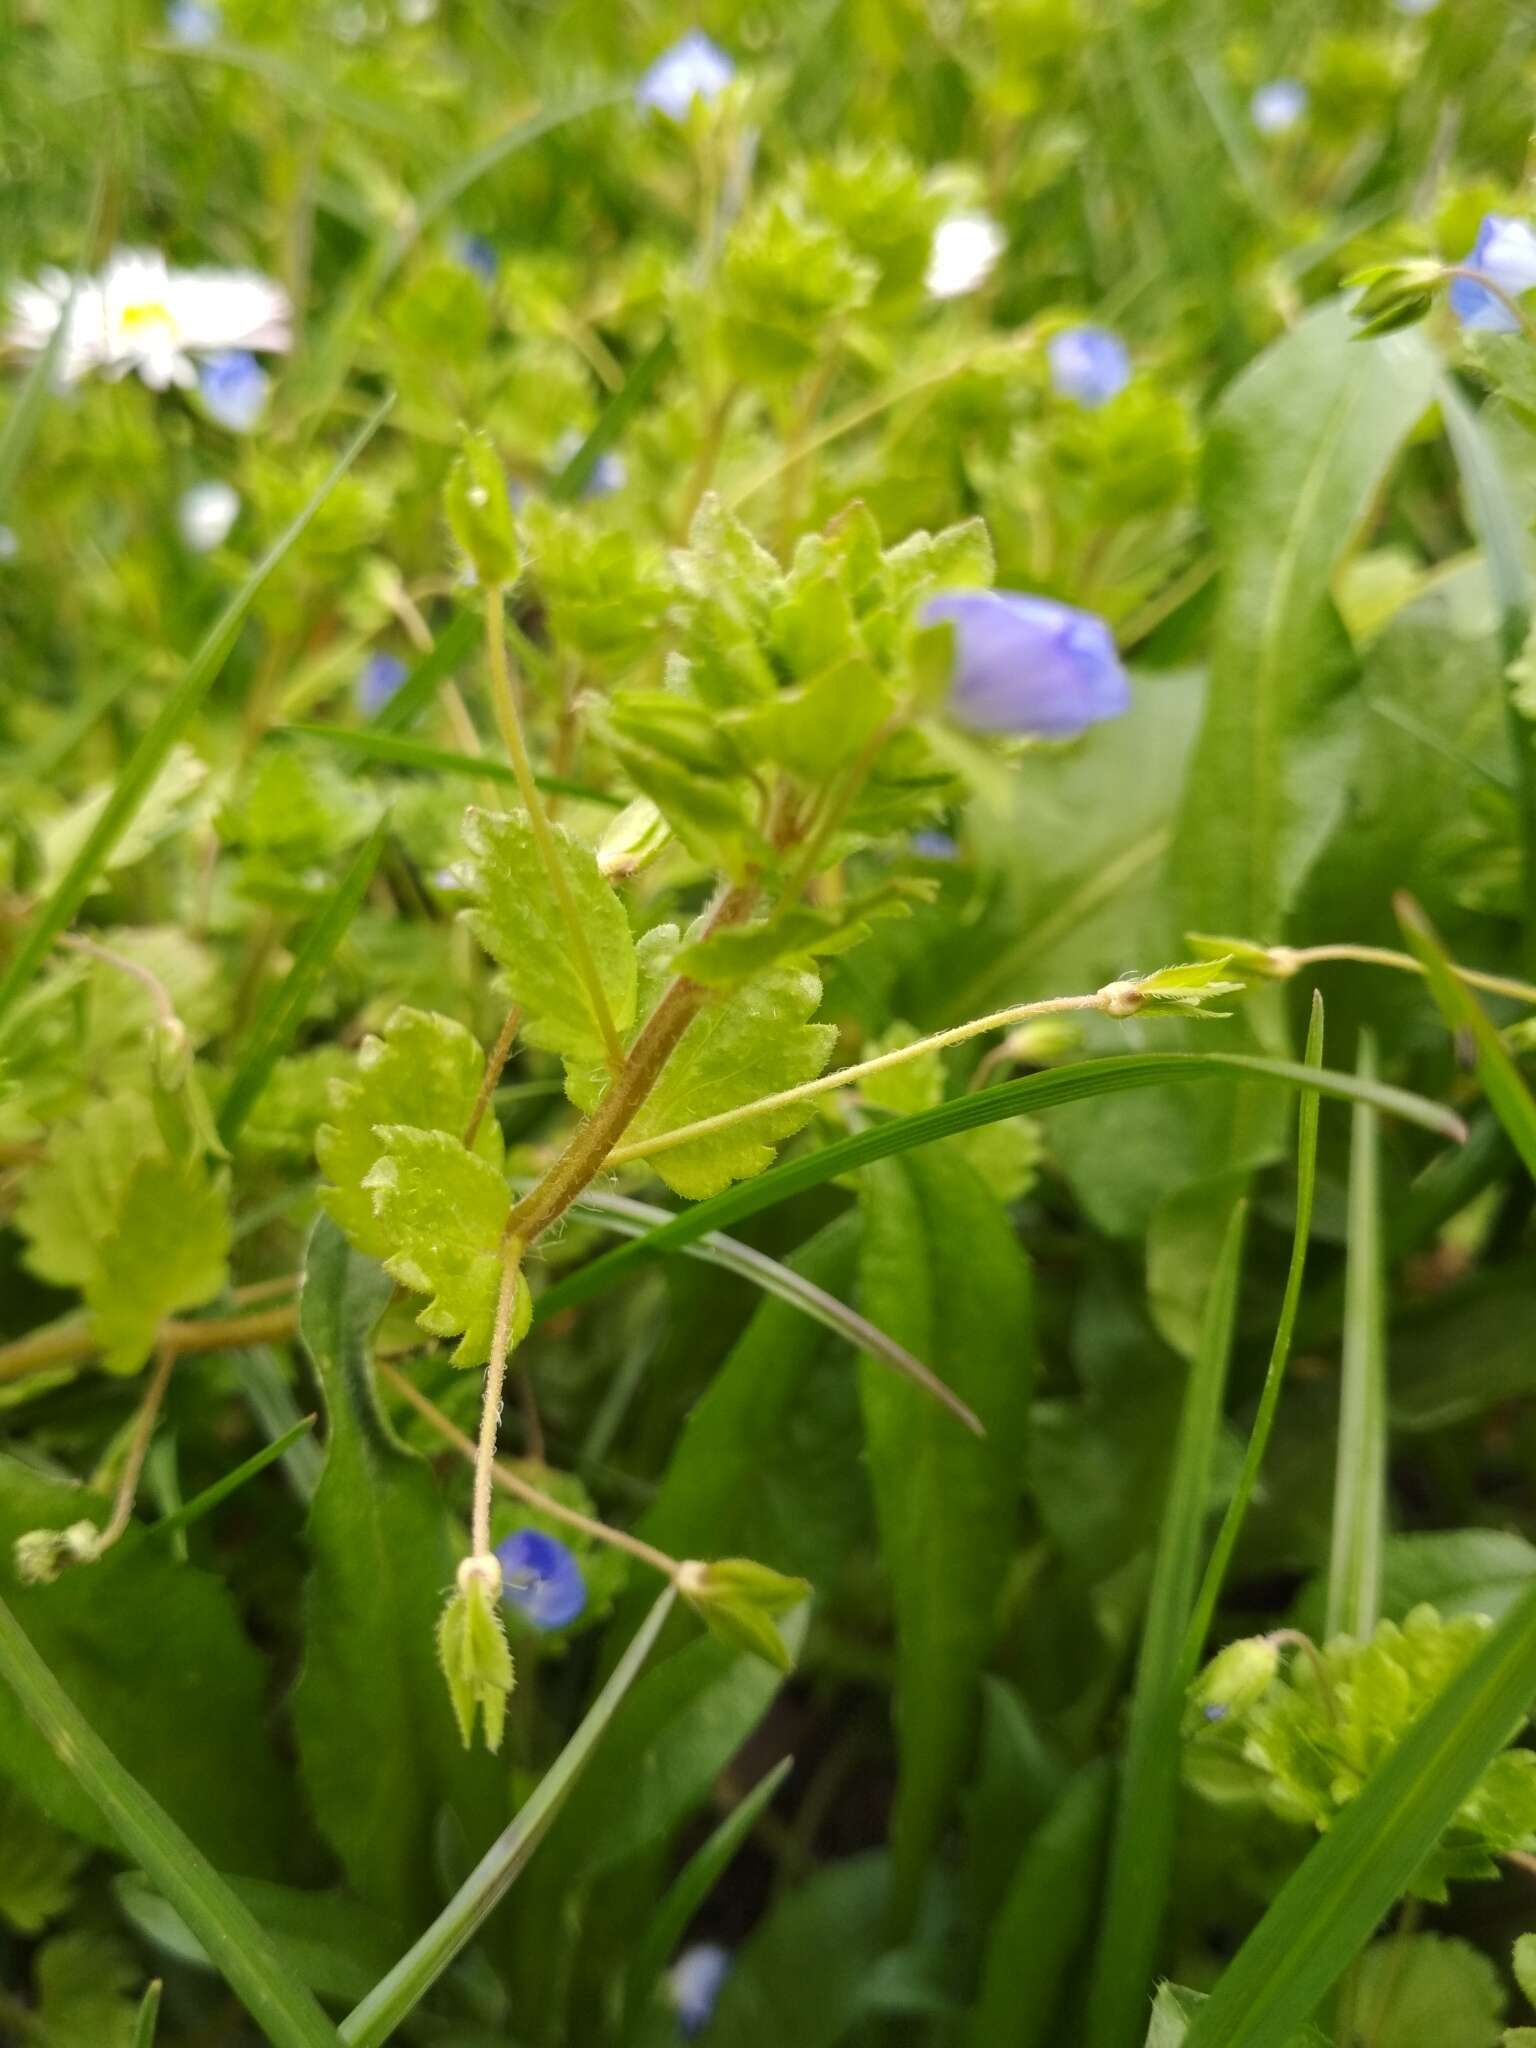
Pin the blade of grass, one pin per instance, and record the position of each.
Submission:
(1360, 1474)
(284, 1008)
(271, 1402)
(693, 1885)
(408, 753)
(394, 1997)
(148, 2015)
(1498, 523)
(203, 1503)
(1279, 1357)
(1329, 1908)
(1141, 1851)
(30, 402)
(636, 1219)
(614, 418)
(456, 641)
(286, 2014)
(1024, 1097)
(55, 915)
(1502, 1082)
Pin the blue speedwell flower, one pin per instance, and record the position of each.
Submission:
(541, 1578)
(693, 69)
(478, 254)
(192, 24)
(1088, 364)
(1028, 664)
(1505, 250)
(1278, 106)
(693, 1984)
(377, 681)
(233, 387)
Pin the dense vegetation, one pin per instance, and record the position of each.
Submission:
(767, 930)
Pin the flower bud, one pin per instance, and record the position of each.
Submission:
(480, 512)
(1235, 1678)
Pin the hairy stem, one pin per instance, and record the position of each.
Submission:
(490, 1406)
(159, 994)
(68, 1343)
(847, 1077)
(511, 1482)
(1291, 959)
(1495, 290)
(500, 1053)
(507, 719)
(138, 1450)
(594, 1140)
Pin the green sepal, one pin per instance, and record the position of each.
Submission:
(738, 1600)
(476, 1660)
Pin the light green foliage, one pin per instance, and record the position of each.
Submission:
(607, 595)
(294, 810)
(138, 1231)
(424, 1072)
(809, 670)
(1425, 1991)
(1175, 2007)
(880, 200)
(787, 282)
(472, 1649)
(751, 1042)
(175, 800)
(518, 919)
(86, 1985)
(442, 1210)
(1306, 1742)
(1524, 1962)
(38, 1864)
(480, 511)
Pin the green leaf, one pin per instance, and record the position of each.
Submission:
(39, 1867)
(1326, 1911)
(939, 1268)
(518, 920)
(203, 1503)
(1024, 1097)
(284, 1009)
(1297, 452)
(1175, 2007)
(176, 713)
(425, 1072)
(139, 1233)
(148, 2016)
(1503, 1084)
(287, 2016)
(1045, 1918)
(803, 1975)
(1360, 1471)
(1524, 1962)
(84, 1983)
(398, 1994)
(443, 1209)
(1426, 1991)
(1136, 1894)
(379, 1753)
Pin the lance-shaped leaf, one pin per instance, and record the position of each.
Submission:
(518, 920)
(441, 1209)
(425, 1071)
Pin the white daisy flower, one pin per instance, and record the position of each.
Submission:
(205, 514)
(141, 315)
(964, 254)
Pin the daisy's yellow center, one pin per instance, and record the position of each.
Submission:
(148, 314)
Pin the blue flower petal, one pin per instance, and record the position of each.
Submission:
(1088, 364)
(693, 1984)
(377, 681)
(1505, 250)
(234, 388)
(1029, 664)
(192, 23)
(1278, 105)
(477, 253)
(693, 69)
(541, 1578)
